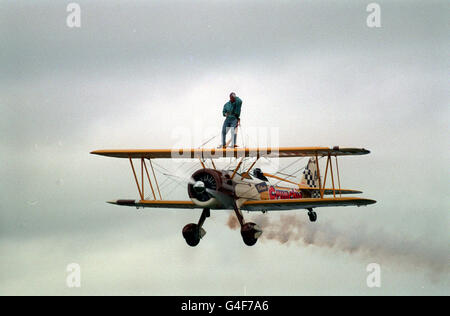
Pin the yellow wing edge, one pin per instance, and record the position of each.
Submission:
(290, 204)
(287, 204)
(191, 153)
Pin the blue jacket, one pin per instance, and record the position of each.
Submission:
(233, 108)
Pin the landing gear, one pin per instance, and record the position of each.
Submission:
(312, 215)
(250, 232)
(192, 233)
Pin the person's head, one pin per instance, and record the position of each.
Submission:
(232, 96)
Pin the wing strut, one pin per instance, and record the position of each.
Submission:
(154, 176)
(279, 178)
(332, 177)
(140, 186)
(318, 175)
(339, 180)
(250, 168)
(135, 178)
(237, 168)
(148, 177)
(330, 163)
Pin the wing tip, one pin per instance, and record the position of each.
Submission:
(122, 202)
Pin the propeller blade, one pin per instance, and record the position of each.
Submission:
(226, 200)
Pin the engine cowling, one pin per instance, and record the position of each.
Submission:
(211, 188)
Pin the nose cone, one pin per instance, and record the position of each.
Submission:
(199, 187)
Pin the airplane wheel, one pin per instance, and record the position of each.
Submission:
(312, 216)
(191, 234)
(249, 241)
(250, 233)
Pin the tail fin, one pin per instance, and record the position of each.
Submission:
(310, 174)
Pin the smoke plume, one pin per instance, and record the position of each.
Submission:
(378, 246)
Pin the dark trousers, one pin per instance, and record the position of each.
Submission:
(230, 123)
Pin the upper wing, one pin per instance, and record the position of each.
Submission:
(270, 152)
(291, 204)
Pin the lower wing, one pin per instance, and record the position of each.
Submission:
(156, 204)
(260, 205)
(293, 204)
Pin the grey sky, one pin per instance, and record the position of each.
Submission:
(136, 72)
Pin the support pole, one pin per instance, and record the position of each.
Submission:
(156, 180)
(325, 178)
(142, 177)
(318, 175)
(238, 214)
(149, 181)
(332, 177)
(237, 168)
(205, 214)
(135, 178)
(339, 180)
(279, 178)
(251, 166)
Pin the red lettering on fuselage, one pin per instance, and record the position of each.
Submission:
(280, 194)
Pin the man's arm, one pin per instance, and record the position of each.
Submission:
(225, 109)
(237, 109)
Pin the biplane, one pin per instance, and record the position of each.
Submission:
(238, 189)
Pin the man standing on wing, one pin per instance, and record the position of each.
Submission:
(232, 111)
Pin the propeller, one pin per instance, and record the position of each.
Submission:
(205, 187)
(226, 200)
(199, 187)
